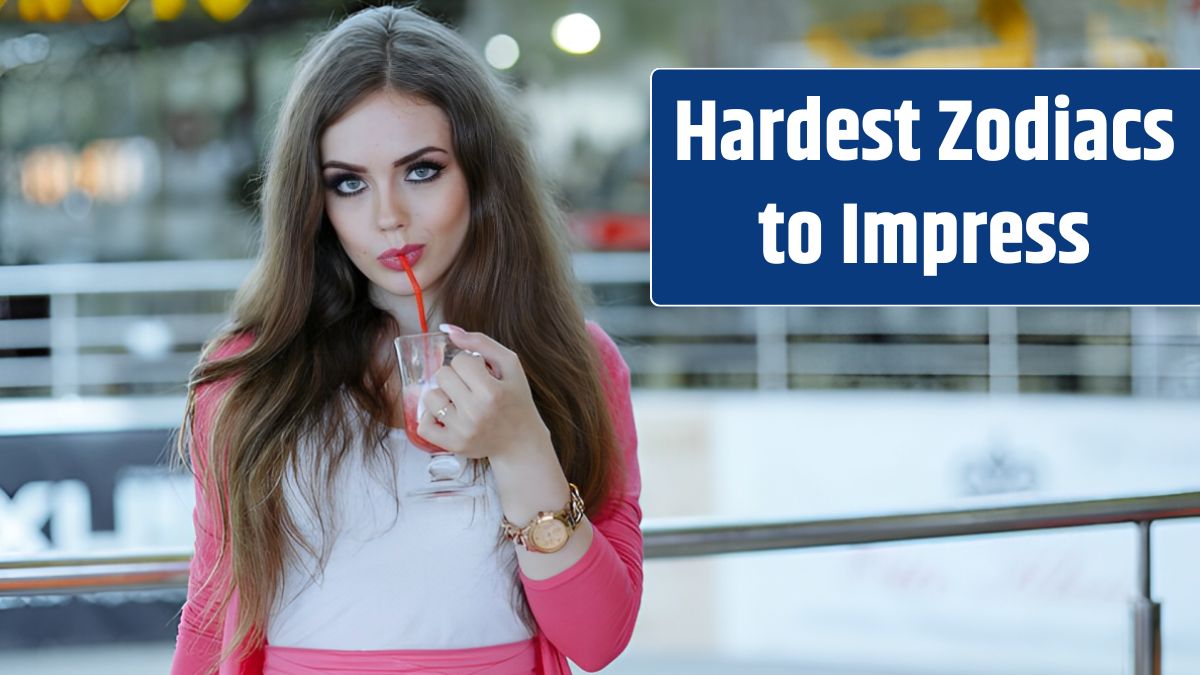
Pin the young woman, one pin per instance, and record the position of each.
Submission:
(395, 141)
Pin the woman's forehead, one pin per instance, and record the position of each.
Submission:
(383, 126)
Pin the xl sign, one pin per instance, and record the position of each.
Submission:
(150, 509)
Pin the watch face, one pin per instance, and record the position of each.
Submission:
(549, 535)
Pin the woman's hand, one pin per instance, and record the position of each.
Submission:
(488, 407)
(489, 412)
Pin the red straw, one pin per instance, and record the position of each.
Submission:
(412, 279)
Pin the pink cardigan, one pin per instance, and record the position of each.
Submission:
(585, 613)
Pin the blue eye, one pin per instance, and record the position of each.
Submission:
(350, 186)
(423, 172)
(346, 185)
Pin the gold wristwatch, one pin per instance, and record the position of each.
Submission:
(548, 531)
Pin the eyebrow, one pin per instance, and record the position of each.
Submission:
(332, 164)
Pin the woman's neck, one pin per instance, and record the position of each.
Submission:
(403, 308)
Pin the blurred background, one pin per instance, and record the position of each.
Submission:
(131, 136)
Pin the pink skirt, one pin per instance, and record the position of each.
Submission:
(517, 658)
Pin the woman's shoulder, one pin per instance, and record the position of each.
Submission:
(609, 354)
(210, 393)
(225, 346)
(229, 345)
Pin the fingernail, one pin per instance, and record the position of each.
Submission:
(450, 329)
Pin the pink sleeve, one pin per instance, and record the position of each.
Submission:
(199, 640)
(588, 610)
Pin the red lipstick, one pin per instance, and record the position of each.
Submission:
(391, 257)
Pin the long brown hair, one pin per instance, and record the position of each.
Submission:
(309, 370)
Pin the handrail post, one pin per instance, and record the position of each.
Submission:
(1003, 355)
(771, 348)
(64, 345)
(1147, 614)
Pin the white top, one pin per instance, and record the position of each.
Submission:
(432, 574)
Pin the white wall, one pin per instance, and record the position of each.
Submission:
(1025, 603)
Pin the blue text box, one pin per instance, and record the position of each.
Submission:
(1141, 233)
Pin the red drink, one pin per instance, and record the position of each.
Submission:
(412, 417)
(420, 356)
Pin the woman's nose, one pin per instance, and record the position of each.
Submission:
(392, 212)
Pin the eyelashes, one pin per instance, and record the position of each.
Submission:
(349, 184)
(336, 182)
(428, 168)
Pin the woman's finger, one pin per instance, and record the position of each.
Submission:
(431, 430)
(501, 359)
(450, 380)
(473, 371)
(437, 405)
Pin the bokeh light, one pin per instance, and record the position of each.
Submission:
(502, 51)
(576, 33)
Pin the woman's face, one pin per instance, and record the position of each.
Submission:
(393, 188)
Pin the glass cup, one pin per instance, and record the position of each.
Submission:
(421, 356)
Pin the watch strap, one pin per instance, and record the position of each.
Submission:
(572, 514)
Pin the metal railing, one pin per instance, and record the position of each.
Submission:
(90, 349)
(95, 313)
(58, 575)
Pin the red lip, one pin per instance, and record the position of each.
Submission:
(391, 257)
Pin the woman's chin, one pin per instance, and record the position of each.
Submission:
(399, 287)
(385, 295)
